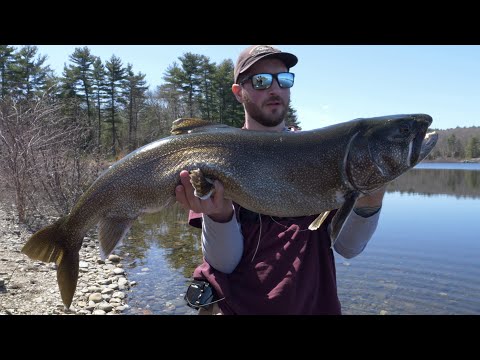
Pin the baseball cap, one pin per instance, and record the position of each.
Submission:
(253, 53)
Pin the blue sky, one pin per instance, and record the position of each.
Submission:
(336, 83)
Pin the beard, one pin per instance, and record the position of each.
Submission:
(268, 119)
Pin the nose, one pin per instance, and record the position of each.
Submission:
(275, 87)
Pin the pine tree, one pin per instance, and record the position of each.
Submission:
(229, 110)
(29, 74)
(206, 93)
(135, 92)
(291, 120)
(191, 79)
(6, 74)
(82, 69)
(99, 93)
(171, 91)
(473, 148)
(115, 76)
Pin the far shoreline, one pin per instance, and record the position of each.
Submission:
(470, 161)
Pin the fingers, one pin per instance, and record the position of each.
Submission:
(180, 196)
(180, 192)
(218, 196)
(185, 196)
(217, 204)
(190, 196)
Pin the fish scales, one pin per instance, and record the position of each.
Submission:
(274, 173)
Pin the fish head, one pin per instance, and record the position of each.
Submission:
(384, 148)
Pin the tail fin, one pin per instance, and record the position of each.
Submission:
(52, 244)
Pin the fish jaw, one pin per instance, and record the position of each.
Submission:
(387, 147)
(428, 144)
(421, 124)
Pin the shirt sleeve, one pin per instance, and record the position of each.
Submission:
(222, 244)
(355, 235)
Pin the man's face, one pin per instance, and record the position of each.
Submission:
(268, 107)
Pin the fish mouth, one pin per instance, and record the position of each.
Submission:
(423, 142)
(428, 143)
(420, 147)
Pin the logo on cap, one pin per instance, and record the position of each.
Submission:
(262, 49)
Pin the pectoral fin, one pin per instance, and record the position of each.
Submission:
(203, 186)
(318, 221)
(342, 214)
(111, 231)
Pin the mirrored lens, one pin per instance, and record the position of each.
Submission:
(285, 80)
(262, 81)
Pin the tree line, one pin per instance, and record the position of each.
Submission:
(457, 144)
(122, 113)
(55, 129)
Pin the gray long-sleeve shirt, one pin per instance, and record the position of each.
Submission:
(222, 243)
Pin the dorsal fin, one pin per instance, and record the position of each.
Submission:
(188, 125)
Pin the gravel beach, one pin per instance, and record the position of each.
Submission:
(29, 287)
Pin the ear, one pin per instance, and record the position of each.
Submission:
(237, 91)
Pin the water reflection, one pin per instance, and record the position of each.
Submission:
(161, 252)
(423, 259)
(459, 183)
(169, 230)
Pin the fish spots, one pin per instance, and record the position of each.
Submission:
(339, 196)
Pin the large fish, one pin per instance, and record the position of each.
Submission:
(275, 173)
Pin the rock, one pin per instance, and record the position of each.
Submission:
(30, 286)
(118, 295)
(95, 297)
(118, 271)
(114, 258)
(105, 307)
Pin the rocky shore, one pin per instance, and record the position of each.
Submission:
(29, 287)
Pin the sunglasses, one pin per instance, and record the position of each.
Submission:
(264, 80)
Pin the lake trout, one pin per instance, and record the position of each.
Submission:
(285, 174)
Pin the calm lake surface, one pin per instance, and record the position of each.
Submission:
(424, 257)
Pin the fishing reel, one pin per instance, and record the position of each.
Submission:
(200, 294)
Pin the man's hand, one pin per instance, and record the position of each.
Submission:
(372, 200)
(216, 207)
(368, 205)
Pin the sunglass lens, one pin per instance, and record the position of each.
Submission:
(262, 81)
(285, 80)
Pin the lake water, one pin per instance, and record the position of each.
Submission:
(424, 257)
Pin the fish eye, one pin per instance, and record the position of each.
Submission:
(404, 129)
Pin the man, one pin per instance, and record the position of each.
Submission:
(259, 264)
